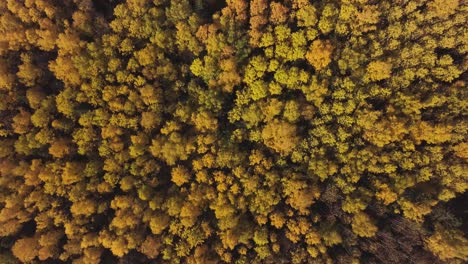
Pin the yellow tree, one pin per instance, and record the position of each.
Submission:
(320, 54)
(26, 249)
(280, 136)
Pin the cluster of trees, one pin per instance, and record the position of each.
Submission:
(195, 131)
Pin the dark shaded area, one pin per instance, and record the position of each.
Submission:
(458, 207)
(378, 104)
(28, 228)
(108, 258)
(7, 242)
(206, 8)
(134, 257)
(106, 7)
(457, 57)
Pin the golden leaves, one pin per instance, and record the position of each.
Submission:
(379, 70)
(263, 131)
(60, 148)
(442, 8)
(363, 225)
(26, 249)
(461, 150)
(180, 175)
(280, 136)
(320, 54)
(448, 244)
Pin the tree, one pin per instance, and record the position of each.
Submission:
(28, 73)
(22, 122)
(35, 96)
(448, 244)
(300, 197)
(379, 70)
(72, 173)
(280, 136)
(159, 223)
(180, 175)
(85, 207)
(363, 225)
(60, 148)
(7, 79)
(26, 249)
(442, 9)
(151, 247)
(279, 13)
(320, 54)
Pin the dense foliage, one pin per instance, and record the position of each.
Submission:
(193, 131)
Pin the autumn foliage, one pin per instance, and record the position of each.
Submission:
(200, 131)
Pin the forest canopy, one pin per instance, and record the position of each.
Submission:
(203, 131)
